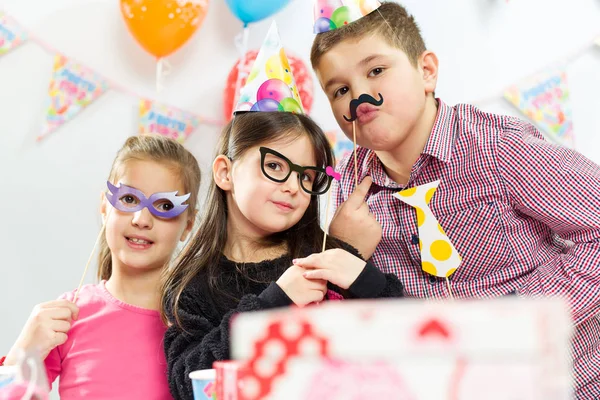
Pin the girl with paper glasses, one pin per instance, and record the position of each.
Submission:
(262, 214)
(105, 340)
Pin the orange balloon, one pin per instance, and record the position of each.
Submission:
(163, 26)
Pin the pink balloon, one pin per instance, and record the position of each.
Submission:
(323, 10)
(275, 89)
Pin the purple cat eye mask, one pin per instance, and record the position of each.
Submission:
(162, 204)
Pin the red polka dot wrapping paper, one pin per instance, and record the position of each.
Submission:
(404, 349)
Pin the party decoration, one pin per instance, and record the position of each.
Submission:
(229, 375)
(438, 255)
(318, 185)
(364, 98)
(333, 14)
(72, 88)
(437, 350)
(340, 144)
(253, 11)
(271, 85)
(301, 73)
(163, 26)
(434, 328)
(549, 97)
(165, 120)
(544, 99)
(332, 173)
(11, 34)
(257, 383)
(154, 203)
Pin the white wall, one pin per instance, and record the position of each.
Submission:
(50, 190)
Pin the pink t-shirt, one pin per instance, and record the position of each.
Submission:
(114, 351)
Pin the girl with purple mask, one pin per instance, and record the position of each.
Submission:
(108, 344)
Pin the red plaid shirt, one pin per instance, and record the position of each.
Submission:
(523, 213)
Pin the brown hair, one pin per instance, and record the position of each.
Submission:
(205, 250)
(390, 21)
(152, 148)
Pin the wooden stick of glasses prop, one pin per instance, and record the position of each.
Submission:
(365, 114)
(336, 176)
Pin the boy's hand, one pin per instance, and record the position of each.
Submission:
(300, 290)
(354, 224)
(45, 329)
(334, 265)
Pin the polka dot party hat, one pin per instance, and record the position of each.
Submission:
(438, 255)
(333, 14)
(271, 85)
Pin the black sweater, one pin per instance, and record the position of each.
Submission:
(206, 317)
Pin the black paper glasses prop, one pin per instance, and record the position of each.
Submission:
(278, 168)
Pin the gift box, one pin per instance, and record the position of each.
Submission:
(407, 349)
(229, 379)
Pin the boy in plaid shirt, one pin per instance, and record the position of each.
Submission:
(523, 213)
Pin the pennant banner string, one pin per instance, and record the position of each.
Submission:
(574, 55)
(112, 84)
(480, 102)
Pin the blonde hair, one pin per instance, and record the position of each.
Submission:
(390, 21)
(161, 150)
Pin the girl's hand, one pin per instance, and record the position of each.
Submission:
(334, 265)
(300, 290)
(45, 329)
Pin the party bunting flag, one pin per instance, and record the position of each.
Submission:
(544, 99)
(155, 118)
(11, 34)
(72, 88)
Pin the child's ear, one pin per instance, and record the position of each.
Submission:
(429, 68)
(222, 172)
(189, 226)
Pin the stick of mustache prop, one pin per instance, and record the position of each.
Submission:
(355, 156)
(449, 289)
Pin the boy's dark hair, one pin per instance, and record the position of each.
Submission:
(390, 21)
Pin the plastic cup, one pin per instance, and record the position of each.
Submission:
(203, 383)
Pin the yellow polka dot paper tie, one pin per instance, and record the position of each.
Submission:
(438, 255)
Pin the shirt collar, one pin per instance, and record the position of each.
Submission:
(439, 145)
